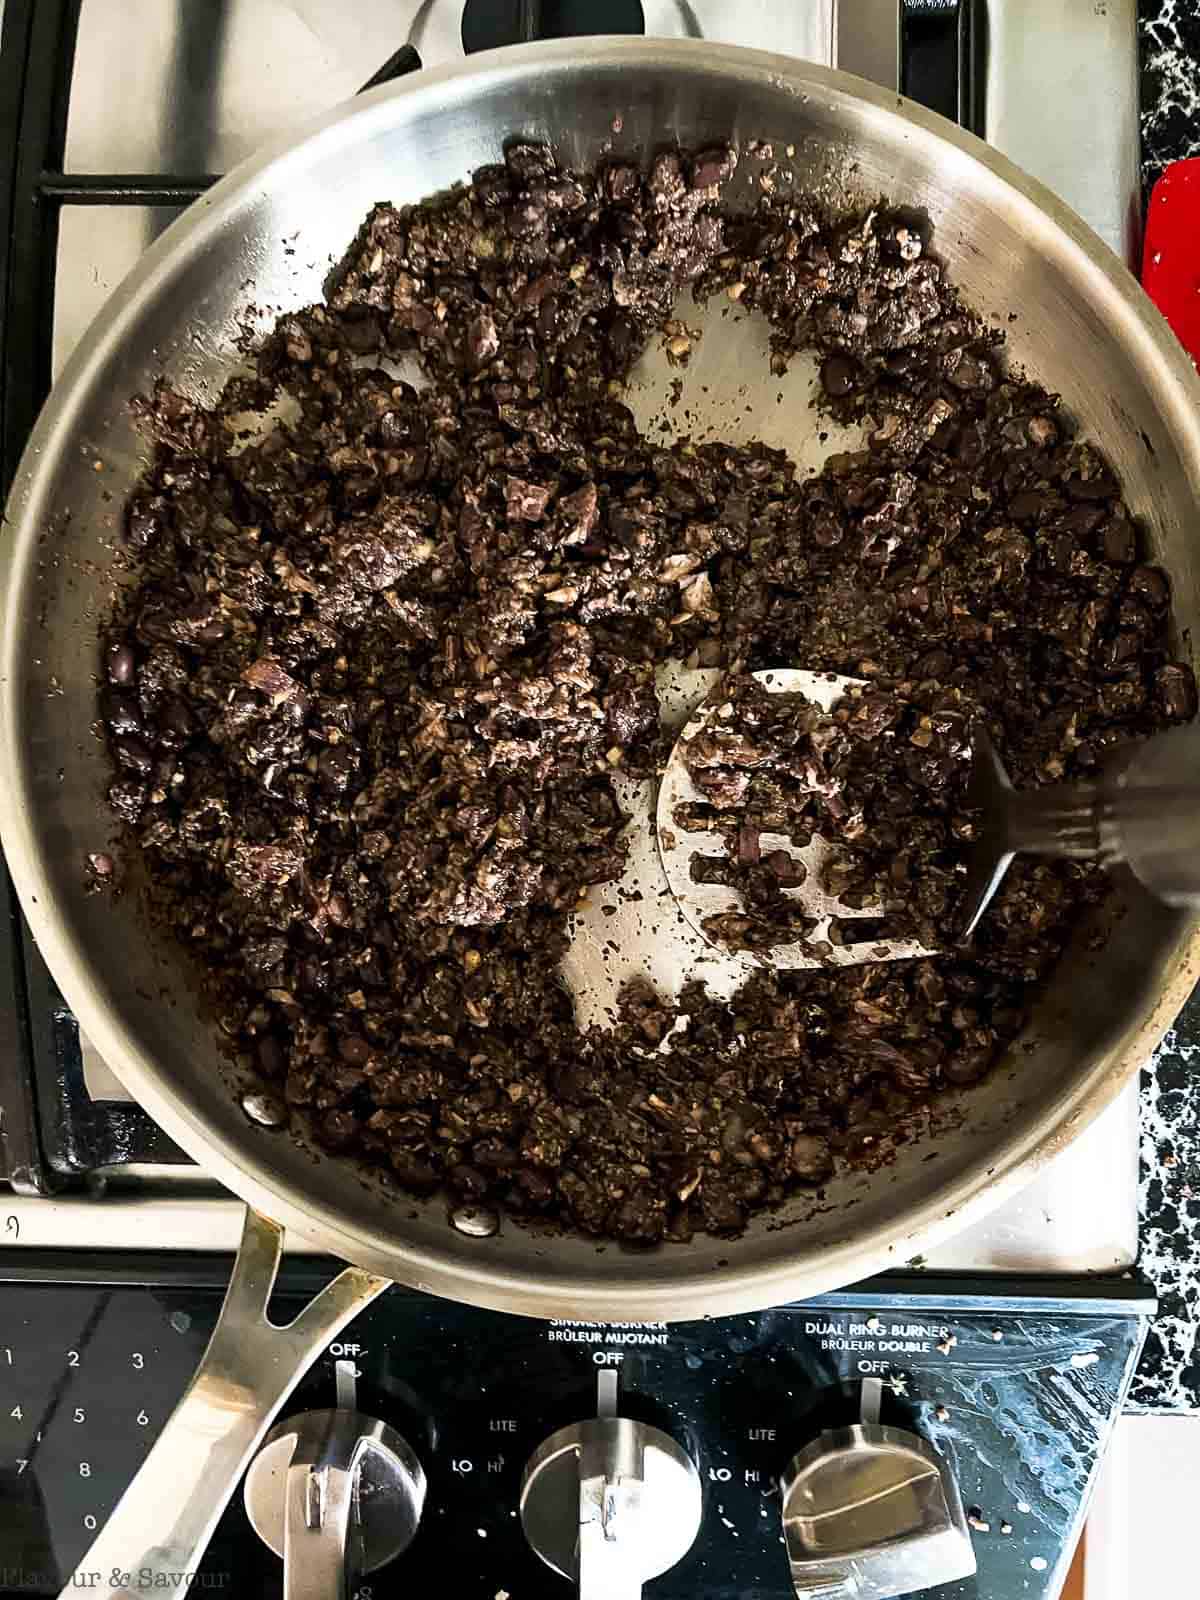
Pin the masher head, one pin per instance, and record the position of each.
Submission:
(700, 901)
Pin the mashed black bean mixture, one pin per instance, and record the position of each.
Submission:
(381, 661)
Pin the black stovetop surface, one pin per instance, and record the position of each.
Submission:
(1018, 1393)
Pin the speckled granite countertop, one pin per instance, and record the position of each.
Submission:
(1170, 31)
(1168, 1378)
(1168, 1375)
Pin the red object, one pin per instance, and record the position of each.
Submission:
(1171, 254)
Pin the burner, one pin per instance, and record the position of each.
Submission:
(488, 23)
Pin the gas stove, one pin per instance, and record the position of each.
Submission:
(116, 118)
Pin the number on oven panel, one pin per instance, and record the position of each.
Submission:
(137, 1360)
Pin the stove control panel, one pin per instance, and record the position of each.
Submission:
(892, 1434)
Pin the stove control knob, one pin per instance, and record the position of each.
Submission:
(871, 1511)
(610, 1503)
(337, 1494)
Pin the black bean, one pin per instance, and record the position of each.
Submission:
(123, 713)
(565, 194)
(1031, 505)
(1101, 487)
(353, 1048)
(493, 186)
(811, 1158)
(413, 1171)
(838, 375)
(622, 341)
(620, 181)
(336, 767)
(1119, 542)
(362, 334)
(313, 975)
(971, 374)
(525, 220)
(176, 724)
(547, 317)
(968, 1065)
(339, 1129)
(482, 340)
(271, 1058)
(121, 664)
(723, 1210)
(1150, 585)
(1119, 652)
(536, 1187)
(1175, 687)
(145, 521)
(527, 162)
(468, 1179)
(127, 800)
(134, 756)
(711, 167)
(495, 1154)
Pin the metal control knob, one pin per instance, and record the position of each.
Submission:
(337, 1494)
(871, 1511)
(610, 1503)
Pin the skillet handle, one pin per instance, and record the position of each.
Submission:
(165, 1518)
